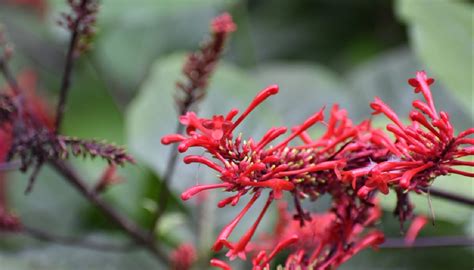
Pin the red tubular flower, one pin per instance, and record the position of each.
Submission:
(5, 141)
(9, 222)
(324, 243)
(423, 150)
(239, 249)
(183, 257)
(222, 265)
(417, 224)
(223, 24)
(108, 178)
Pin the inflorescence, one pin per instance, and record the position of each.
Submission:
(350, 162)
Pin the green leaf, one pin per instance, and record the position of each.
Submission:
(154, 27)
(386, 76)
(152, 114)
(57, 257)
(411, 259)
(53, 203)
(442, 33)
(304, 89)
(443, 209)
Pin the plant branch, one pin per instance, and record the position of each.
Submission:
(450, 196)
(66, 78)
(164, 191)
(426, 242)
(74, 241)
(198, 68)
(140, 237)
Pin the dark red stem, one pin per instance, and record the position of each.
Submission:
(140, 237)
(66, 79)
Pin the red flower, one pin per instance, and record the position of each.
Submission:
(183, 257)
(325, 242)
(423, 150)
(108, 178)
(223, 24)
(417, 224)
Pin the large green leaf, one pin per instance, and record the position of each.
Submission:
(442, 34)
(443, 209)
(112, 11)
(386, 76)
(152, 114)
(56, 257)
(305, 89)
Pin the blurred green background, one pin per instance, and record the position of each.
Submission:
(319, 52)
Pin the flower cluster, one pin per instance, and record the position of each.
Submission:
(81, 23)
(350, 162)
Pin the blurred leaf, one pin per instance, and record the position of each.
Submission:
(152, 114)
(91, 111)
(304, 89)
(442, 35)
(154, 27)
(113, 11)
(443, 209)
(57, 257)
(411, 259)
(386, 76)
(53, 203)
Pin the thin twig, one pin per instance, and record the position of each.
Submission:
(163, 193)
(33, 177)
(140, 237)
(450, 196)
(66, 79)
(75, 241)
(424, 242)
